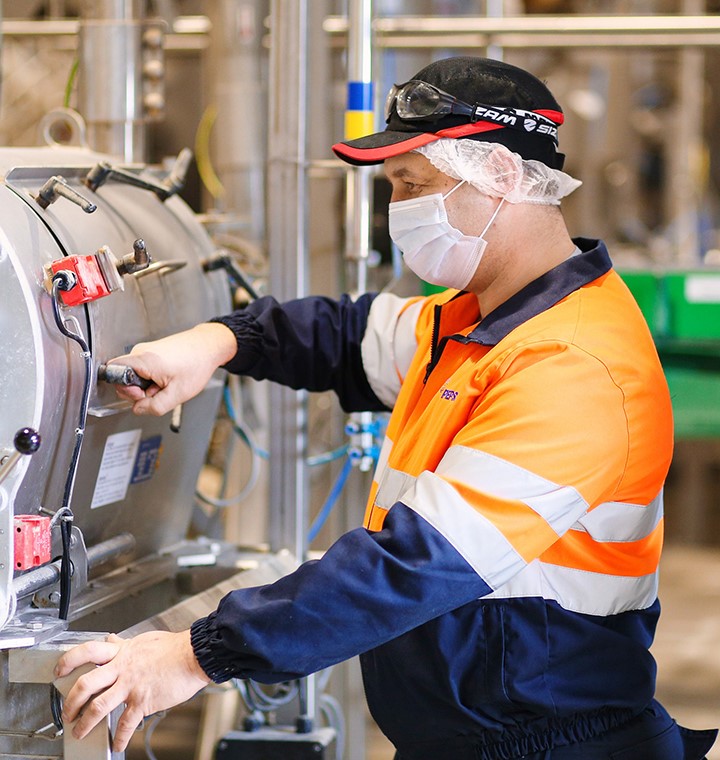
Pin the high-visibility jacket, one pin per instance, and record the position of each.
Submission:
(504, 586)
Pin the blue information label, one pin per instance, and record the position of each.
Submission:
(146, 461)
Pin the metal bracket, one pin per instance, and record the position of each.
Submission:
(36, 665)
(50, 596)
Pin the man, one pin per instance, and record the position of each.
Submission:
(503, 593)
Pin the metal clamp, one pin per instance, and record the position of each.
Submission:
(56, 187)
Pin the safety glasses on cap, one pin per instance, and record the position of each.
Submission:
(420, 100)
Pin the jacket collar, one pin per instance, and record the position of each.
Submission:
(546, 291)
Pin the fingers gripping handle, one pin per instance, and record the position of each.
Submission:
(120, 374)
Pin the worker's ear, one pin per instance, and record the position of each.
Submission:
(505, 168)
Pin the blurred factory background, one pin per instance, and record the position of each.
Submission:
(256, 89)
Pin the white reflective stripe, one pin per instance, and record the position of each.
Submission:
(617, 521)
(476, 539)
(560, 506)
(385, 450)
(393, 485)
(580, 590)
(389, 344)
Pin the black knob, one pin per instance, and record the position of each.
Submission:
(27, 440)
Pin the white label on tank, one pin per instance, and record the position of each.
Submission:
(702, 289)
(116, 468)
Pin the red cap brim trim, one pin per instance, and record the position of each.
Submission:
(415, 140)
(557, 116)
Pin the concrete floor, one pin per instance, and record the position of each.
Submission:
(687, 648)
(687, 645)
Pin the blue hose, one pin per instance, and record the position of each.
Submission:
(311, 461)
(332, 498)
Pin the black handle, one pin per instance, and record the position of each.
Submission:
(121, 374)
(27, 440)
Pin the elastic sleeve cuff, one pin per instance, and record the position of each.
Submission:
(210, 652)
(248, 336)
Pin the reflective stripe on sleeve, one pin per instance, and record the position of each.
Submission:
(559, 506)
(392, 487)
(501, 518)
(581, 591)
(389, 344)
(475, 538)
(616, 521)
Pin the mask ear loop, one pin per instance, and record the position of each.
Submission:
(494, 214)
(492, 218)
(453, 189)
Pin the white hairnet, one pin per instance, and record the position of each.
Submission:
(496, 171)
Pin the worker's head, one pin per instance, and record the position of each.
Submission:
(479, 125)
(476, 99)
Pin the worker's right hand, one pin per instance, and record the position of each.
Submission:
(154, 671)
(179, 366)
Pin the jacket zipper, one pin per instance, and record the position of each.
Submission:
(433, 347)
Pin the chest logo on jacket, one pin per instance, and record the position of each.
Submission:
(448, 395)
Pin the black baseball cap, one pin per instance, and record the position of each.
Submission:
(481, 82)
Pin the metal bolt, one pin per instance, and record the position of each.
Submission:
(54, 597)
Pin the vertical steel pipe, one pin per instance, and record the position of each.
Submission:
(683, 151)
(1, 35)
(289, 265)
(359, 122)
(494, 9)
(288, 251)
(237, 92)
(110, 96)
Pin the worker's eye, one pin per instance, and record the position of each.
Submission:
(412, 187)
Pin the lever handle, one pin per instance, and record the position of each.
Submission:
(121, 374)
(27, 441)
(173, 182)
(56, 187)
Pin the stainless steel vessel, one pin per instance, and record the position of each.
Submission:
(133, 491)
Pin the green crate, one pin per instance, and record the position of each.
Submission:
(693, 305)
(645, 287)
(696, 402)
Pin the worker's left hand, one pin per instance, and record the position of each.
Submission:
(151, 672)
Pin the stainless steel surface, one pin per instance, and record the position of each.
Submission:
(34, 580)
(539, 31)
(188, 32)
(110, 78)
(237, 92)
(133, 494)
(97, 744)
(9, 461)
(289, 259)
(358, 226)
(41, 374)
(27, 670)
(358, 183)
(35, 665)
(258, 569)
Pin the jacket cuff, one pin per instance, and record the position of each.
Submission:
(248, 336)
(214, 658)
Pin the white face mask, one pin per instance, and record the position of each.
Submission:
(436, 251)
